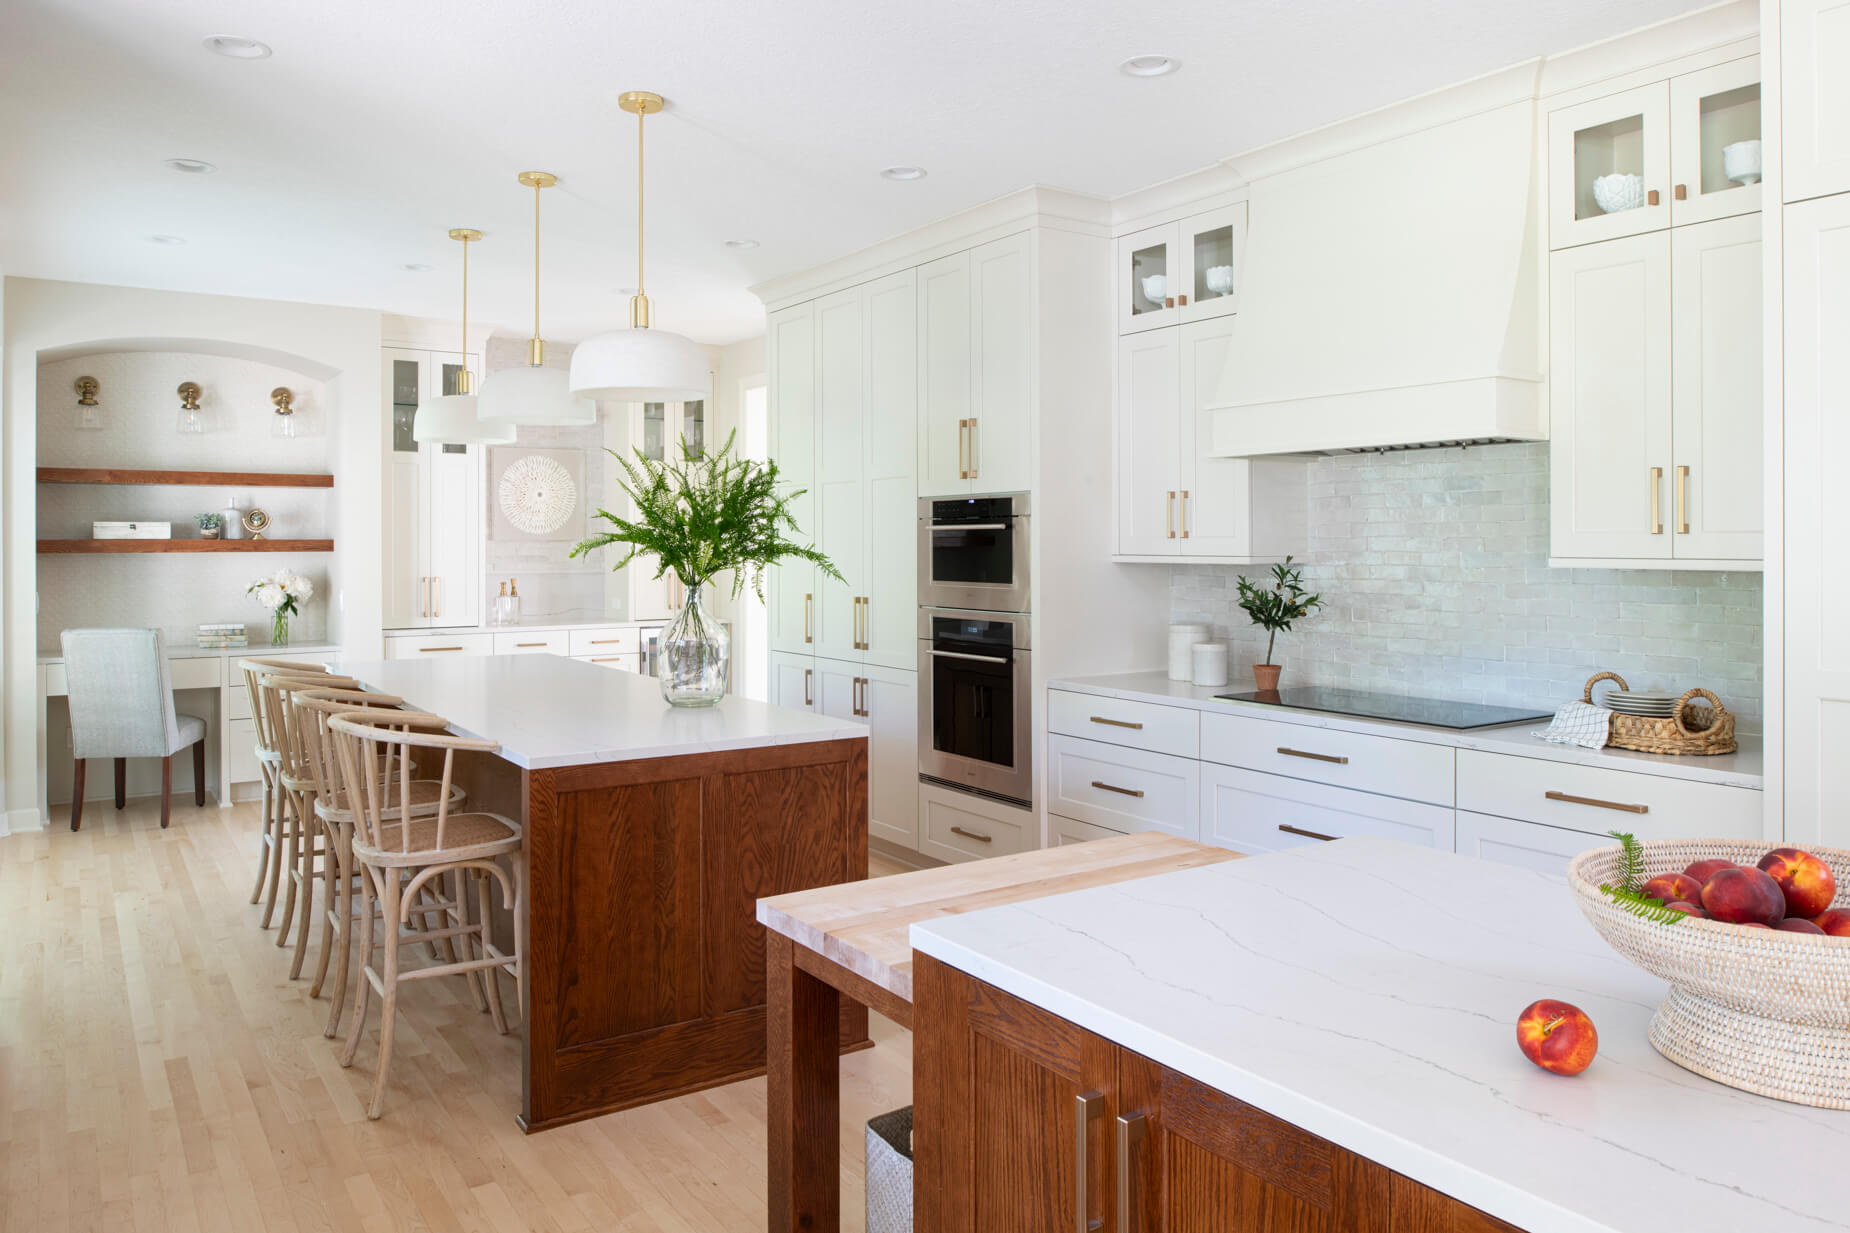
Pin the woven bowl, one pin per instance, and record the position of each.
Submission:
(1759, 1009)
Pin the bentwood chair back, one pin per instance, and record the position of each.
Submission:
(270, 851)
(121, 701)
(295, 791)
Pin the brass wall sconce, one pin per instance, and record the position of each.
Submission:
(87, 389)
(192, 420)
(283, 423)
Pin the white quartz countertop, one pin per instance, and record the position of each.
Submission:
(576, 618)
(1367, 991)
(266, 651)
(549, 711)
(1741, 769)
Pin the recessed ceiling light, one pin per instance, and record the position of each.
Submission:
(191, 166)
(416, 267)
(1149, 66)
(168, 240)
(237, 47)
(903, 173)
(741, 244)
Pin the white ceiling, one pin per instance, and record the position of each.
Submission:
(379, 124)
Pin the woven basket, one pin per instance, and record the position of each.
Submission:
(1759, 1009)
(1693, 728)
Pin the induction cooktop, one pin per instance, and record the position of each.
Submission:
(1435, 712)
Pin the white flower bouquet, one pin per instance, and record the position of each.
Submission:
(283, 594)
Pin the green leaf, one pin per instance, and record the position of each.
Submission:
(1631, 860)
(1276, 606)
(1642, 905)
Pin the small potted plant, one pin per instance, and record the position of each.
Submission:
(208, 525)
(1273, 608)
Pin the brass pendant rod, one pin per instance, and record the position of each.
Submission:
(641, 113)
(536, 266)
(465, 311)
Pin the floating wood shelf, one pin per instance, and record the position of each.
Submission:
(216, 479)
(94, 547)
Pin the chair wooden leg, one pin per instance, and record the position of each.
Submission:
(166, 789)
(491, 977)
(311, 825)
(273, 823)
(77, 793)
(263, 841)
(290, 819)
(334, 877)
(344, 939)
(388, 999)
(362, 985)
(121, 782)
(199, 771)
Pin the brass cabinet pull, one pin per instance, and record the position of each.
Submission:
(807, 636)
(975, 440)
(1657, 496)
(1682, 500)
(424, 597)
(1108, 787)
(1570, 799)
(1680, 192)
(859, 705)
(526, 644)
(1185, 498)
(1169, 301)
(809, 699)
(426, 650)
(963, 464)
(1169, 515)
(1298, 830)
(980, 838)
(1116, 723)
(608, 659)
(1650, 198)
(1088, 1107)
(436, 596)
(1339, 760)
(1131, 1130)
(594, 642)
(1181, 301)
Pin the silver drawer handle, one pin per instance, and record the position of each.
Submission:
(1596, 803)
(1107, 787)
(958, 830)
(1117, 723)
(982, 659)
(1314, 757)
(1295, 830)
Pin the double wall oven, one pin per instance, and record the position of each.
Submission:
(975, 702)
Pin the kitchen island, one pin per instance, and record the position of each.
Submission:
(650, 832)
(1323, 1039)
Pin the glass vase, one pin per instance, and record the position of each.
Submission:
(279, 628)
(694, 657)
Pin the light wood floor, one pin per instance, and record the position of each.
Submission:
(158, 1070)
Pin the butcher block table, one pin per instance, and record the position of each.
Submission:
(853, 939)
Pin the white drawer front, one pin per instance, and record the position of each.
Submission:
(1141, 725)
(622, 661)
(56, 686)
(1413, 770)
(554, 642)
(1072, 830)
(1596, 799)
(206, 672)
(433, 645)
(240, 754)
(956, 827)
(609, 641)
(1128, 790)
(237, 698)
(1526, 845)
(1252, 812)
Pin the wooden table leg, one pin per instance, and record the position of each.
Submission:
(803, 1165)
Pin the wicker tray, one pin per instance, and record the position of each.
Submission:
(1692, 728)
(1759, 1009)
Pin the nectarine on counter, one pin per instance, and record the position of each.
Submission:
(1557, 1036)
(1807, 882)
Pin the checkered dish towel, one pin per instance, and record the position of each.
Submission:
(1580, 723)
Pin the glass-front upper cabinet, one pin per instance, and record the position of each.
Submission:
(666, 424)
(1609, 167)
(1182, 271)
(1715, 142)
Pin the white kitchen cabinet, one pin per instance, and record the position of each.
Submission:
(1817, 553)
(1174, 501)
(1526, 845)
(975, 363)
(1598, 798)
(791, 358)
(656, 430)
(1173, 730)
(1253, 812)
(1364, 762)
(437, 646)
(1814, 37)
(526, 642)
(1128, 790)
(841, 459)
(793, 681)
(944, 374)
(1071, 830)
(1622, 134)
(1711, 110)
(1182, 271)
(886, 701)
(956, 826)
(432, 503)
(890, 590)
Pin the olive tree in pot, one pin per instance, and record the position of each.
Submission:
(1273, 608)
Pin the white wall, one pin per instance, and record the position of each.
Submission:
(336, 347)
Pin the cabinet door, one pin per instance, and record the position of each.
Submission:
(1814, 39)
(1609, 167)
(945, 380)
(837, 689)
(1609, 372)
(1150, 272)
(791, 357)
(890, 706)
(1213, 248)
(1817, 570)
(841, 481)
(402, 533)
(1715, 142)
(1253, 812)
(1717, 427)
(890, 598)
(1149, 443)
(793, 681)
(453, 537)
(1215, 502)
(1002, 342)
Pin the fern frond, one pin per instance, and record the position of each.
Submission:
(1642, 905)
(1631, 860)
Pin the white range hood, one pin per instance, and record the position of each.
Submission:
(1393, 297)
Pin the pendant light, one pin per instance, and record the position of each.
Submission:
(641, 364)
(453, 419)
(535, 395)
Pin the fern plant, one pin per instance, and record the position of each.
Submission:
(1631, 876)
(709, 513)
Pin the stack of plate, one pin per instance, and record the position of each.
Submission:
(1637, 702)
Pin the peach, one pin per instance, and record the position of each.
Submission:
(1688, 909)
(1806, 881)
(1702, 871)
(1666, 887)
(1753, 924)
(1744, 897)
(1836, 922)
(1793, 924)
(1557, 1036)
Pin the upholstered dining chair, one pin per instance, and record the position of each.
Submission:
(121, 700)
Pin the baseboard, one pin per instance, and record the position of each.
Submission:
(20, 820)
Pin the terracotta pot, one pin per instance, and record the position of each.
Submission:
(1265, 676)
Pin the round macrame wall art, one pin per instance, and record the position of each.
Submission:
(537, 495)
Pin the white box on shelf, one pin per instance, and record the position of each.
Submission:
(131, 530)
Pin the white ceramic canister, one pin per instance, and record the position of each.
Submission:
(1181, 639)
(1210, 663)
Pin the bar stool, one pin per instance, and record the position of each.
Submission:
(295, 791)
(313, 709)
(387, 846)
(270, 850)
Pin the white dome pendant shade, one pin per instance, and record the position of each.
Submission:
(455, 419)
(641, 364)
(535, 396)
